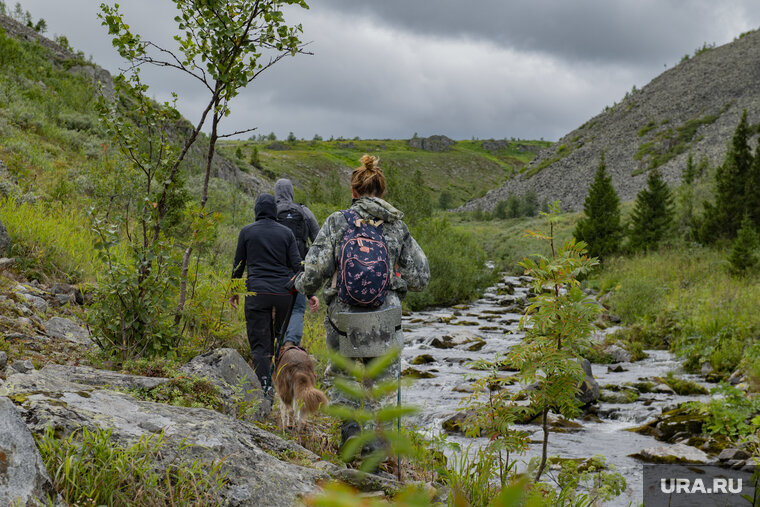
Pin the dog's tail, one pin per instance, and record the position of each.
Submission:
(305, 392)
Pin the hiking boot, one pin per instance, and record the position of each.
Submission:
(348, 430)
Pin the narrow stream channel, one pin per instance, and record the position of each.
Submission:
(494, 319)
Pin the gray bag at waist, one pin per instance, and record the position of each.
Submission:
(367, 332)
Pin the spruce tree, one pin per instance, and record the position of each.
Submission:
(652, 214)
(752, 190)
(744, 256)
(730, 183)
(600, 228)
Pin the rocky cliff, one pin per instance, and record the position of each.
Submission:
(693, 107)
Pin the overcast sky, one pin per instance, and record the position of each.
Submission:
(478, 68)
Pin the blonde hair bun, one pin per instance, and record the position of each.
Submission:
(369, 162)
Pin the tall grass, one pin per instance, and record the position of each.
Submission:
(688, 297)
(89, 468)
(50, 240)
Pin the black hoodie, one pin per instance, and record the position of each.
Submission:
(267, 250)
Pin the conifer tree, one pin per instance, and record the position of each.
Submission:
(752, 189)
(744, 255)
(730, 182)
(652, 214)
(600, 228)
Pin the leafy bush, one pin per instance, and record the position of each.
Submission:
(457, 264)
(89, 468)
(729, 412)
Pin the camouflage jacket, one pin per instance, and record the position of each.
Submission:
(404, 252)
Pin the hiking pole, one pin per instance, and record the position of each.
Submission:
(398, 404)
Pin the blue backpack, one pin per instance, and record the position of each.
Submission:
(364, 264)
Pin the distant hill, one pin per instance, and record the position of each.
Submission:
(465, 169)
(693, 107)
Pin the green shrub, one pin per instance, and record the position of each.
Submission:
(457, 264)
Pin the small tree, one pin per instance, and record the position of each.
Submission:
(744, 255)
(255, 161)
(291, 137)
(561, 321)
(222, 45)
(652, 214)
(600, 228)
(530, 204)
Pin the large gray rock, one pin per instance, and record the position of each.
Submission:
(23, 477)
(234, 378)
(93, 377)
(677, 453)
(66, 329)
(255, 476)
(618, 354)
(432, 143)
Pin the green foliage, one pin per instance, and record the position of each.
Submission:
(255, 161)
(412, 197)
(560, 321)
(685, 299)
(669, 143)
(600, 228)
(457, 264)
(729, 412)
(744, 255)
(445, 200)
(594, 475)
(652, 215)
(89, 468)
(184, 391)
(376, 425)
(50, 240)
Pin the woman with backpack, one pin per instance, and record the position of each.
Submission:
(371, 261)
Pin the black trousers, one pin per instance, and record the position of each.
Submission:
(264, 315)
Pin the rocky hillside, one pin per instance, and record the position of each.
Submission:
(691, 108)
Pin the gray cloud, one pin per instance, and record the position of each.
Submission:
(490, 68)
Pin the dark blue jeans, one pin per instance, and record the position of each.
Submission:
(295, 327)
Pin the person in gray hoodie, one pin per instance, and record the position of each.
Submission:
(299, 219)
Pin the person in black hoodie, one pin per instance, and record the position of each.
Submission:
(269, 253)
(305, 227)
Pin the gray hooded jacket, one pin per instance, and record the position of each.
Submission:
(284, 196)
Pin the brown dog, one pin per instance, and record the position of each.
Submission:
(294, 380)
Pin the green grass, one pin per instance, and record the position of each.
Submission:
(688, 298)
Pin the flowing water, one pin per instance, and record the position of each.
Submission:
(490, 326)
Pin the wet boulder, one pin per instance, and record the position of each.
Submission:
(670, 454)
(589, 390)
(618, 354)
(672, 423)
(423, 359)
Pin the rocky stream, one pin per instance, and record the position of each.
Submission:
(441, 344)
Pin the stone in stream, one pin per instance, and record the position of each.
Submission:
(618, 354)
(671, 423)
(588, 391)
(677, 453)
(416, 374)
(423, 359)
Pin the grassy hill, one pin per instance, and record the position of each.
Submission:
(467, 170)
